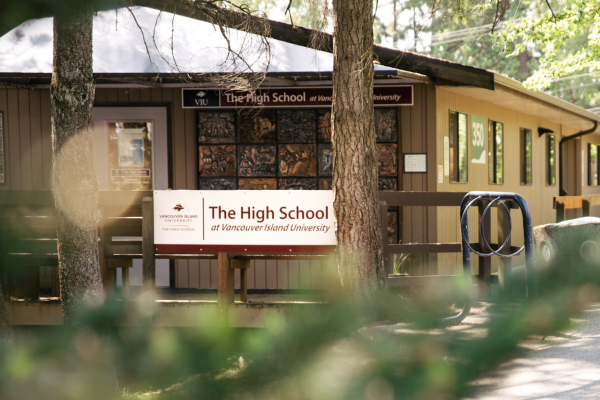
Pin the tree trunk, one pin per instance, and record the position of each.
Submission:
(6, 334)
(356, 200)
(74, 181)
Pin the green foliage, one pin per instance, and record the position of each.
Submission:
(555, 34)
(350, 348)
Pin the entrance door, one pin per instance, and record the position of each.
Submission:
(131, 153)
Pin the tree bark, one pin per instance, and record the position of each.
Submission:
(6, 333)
(356, 199)
(74, 181)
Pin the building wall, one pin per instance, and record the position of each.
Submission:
(29, 166)
(538, 195)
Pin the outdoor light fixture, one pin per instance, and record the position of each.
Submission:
(542, 131)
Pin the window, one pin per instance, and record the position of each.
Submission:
(526, 157)
(593, 176)
(496, 146)
(551, 160)
(458, 147)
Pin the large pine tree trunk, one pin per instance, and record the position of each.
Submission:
(74, 181)
(356, 201)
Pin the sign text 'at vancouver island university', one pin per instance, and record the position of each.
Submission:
(196, 221)
(288, 97)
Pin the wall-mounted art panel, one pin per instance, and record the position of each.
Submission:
(218, 160)
(257, 126)
(388, 184)
(392, 227)
(218, 184)
(298, 183)
(297, 160)
(258, 184)
(216, 126)
(388, 159)
(325, 184)
(324, 125)
(386, 125)
(296, 126)
(325, 160)
(257, 161)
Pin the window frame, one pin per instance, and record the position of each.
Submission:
(455, 143)
(493, 153)
(523, 156)
(550, 171)
(589, 179)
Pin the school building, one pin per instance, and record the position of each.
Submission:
(162, 119)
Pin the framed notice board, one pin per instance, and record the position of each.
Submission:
(2, 153)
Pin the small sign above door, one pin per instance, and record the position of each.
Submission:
(308, 97)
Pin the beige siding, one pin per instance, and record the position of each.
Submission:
(539, 195)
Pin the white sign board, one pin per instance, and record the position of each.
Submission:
(276, 221)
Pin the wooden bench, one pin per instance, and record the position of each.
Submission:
(27, 242)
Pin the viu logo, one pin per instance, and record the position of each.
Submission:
(201, 101)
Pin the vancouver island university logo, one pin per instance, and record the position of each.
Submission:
(178, 207)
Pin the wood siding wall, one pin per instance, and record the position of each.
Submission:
(538, 195)
(29, 166)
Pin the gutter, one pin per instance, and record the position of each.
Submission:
(561, 166)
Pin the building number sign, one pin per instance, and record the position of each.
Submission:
(478, 137)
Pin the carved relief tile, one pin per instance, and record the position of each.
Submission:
(325, 160)
(216, 161)
(297, 160)
(388, 159)
(324, 125)
(392, 227)
(325, 184)
(388, 184)
(257, 161)
(296, 126)
(218, 184)
(298, 184)
(216, 126)
(386, 125)
(257, 126)
(258, 184)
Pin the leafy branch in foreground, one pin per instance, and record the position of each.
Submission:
(551, 33)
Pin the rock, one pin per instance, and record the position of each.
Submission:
(568, 244)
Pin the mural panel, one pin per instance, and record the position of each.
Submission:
(324, 125)
(296, 126)
(297, 160)
(325, 184)
(218, 184)
(388, 184)
(298, 184)
(257, 126)
(257, 161)
(216, 126)
(216, 160)
(392, 227)
(258, 184)
(388, 159)
(386, 125)
(325, 160)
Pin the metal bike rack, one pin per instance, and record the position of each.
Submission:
(493, 197)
